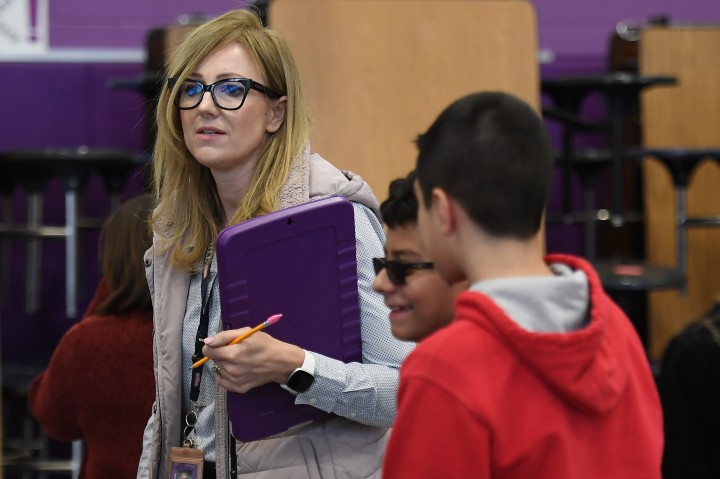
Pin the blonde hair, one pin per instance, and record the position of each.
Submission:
(189, 216)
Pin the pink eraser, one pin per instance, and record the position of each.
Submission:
(273, 319)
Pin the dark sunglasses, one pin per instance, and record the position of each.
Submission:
(397, 271)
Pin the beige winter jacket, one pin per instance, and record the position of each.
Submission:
(337, 448)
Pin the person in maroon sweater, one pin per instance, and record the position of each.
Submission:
(539, 375)
(99, 385)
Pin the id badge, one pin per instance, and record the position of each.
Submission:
(185, 463)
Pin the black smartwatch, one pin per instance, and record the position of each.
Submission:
(303, 377)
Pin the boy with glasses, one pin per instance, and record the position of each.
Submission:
(420, 301)
(539, 375)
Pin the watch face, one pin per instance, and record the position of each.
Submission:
(300, 381)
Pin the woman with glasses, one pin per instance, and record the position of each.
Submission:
(232, 144)
(420, 301)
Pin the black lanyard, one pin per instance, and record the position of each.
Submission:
(202, 332)
(206, 287)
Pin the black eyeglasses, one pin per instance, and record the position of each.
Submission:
(228, 94)
(397, 271)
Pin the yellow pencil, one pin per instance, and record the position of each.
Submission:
(271, 320)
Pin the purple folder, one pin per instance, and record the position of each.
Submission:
(299, 262)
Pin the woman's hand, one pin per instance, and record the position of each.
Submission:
(258, 360)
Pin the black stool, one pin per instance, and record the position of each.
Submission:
(681, 162)
(27, 450)
(621, 91)
(623, 279)
(31, 169)
(627, 281)
(589, 164)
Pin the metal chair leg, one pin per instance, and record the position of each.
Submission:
(71, 250)
(34, 252)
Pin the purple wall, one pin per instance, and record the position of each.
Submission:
(578, 29)
(58, 104)
(569, 27)
(70, 104)
(82, 23)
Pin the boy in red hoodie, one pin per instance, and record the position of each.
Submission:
(539, 375)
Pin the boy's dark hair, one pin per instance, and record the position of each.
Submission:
(491, 152)
(400, 207)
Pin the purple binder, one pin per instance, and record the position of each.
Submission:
(299, 262)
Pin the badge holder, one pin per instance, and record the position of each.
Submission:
(186, 462)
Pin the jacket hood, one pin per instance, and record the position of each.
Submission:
(587, 367)
(312, 177)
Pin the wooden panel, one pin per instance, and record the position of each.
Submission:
(687, 115)
(378, 72)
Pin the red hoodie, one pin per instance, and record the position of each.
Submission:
(484, 398)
